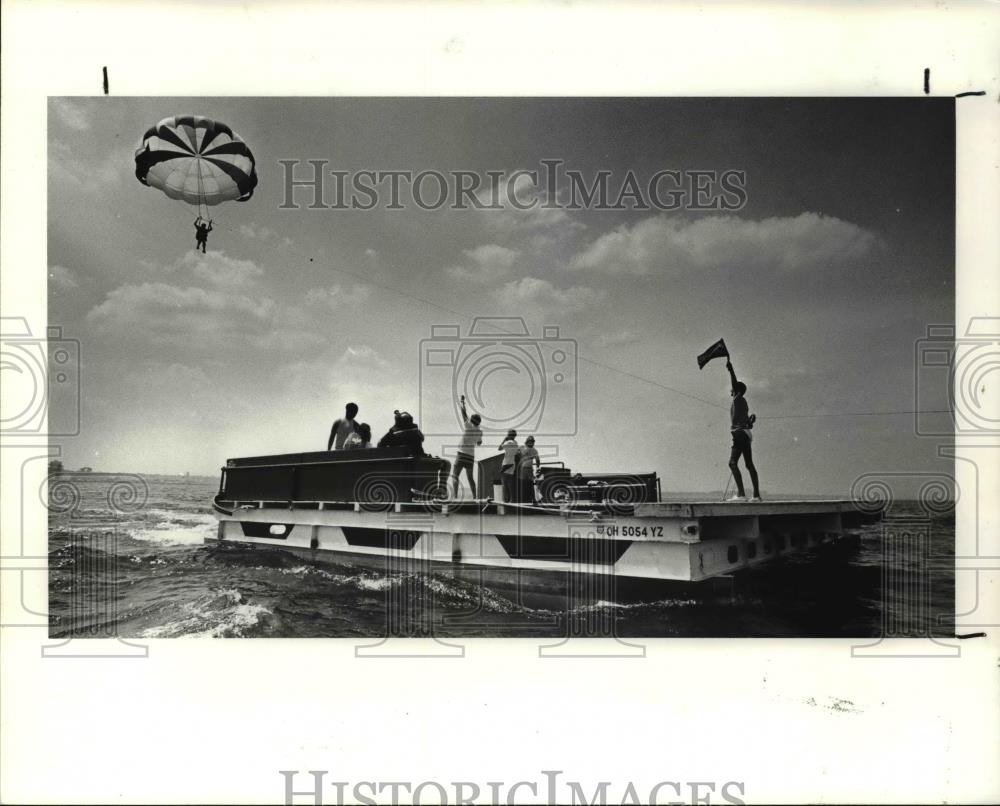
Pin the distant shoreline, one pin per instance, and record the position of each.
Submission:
(90, 473)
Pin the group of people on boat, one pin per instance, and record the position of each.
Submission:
(521, 464)
(348, 434)
(519, 467)
(518, 470)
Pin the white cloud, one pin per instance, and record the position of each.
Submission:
(262, 233)
(362, 359)
(70, 114)
(211, 303)
(541, 295)
(257, 231)
(191, 318)
(67, 167)
(336, 296)
(217, 268)
(790, 245)
(253, 231)
(359, 374)
(485, 263)
(516, 206)
(63, 278)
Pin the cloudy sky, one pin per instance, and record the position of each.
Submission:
(821, 284)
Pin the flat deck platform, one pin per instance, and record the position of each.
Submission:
(724, 509)
(674, 540)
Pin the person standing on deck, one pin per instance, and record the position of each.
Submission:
(741, 423)
(343, 428)
(509, 448)
(526, 469)
(466, 457)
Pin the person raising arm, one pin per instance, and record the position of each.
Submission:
(741, 421)
(465, 459)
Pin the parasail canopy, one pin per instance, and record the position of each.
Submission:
(196, 160)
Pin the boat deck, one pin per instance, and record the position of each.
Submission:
(723, 509)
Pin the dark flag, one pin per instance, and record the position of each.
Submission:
(715, 351)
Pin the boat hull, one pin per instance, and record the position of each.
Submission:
(686, 542)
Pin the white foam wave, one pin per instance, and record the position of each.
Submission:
(208, 620)
(173, 535)
(175, 515)
(365, 582)
(374, 583)
(237, 621)
(606, 605)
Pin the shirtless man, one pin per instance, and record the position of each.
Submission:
(741, 421)
(343, 428)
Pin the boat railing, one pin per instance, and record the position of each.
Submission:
(483, 505)
(337, 462)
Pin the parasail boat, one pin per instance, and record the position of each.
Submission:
(382, 505)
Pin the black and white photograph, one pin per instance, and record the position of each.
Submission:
(503, 366)
(499, 403)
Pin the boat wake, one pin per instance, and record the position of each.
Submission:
(221, 615)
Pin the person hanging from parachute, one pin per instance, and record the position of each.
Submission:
(198, 161)
(201, 230)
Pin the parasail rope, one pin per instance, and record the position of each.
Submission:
(201, 188)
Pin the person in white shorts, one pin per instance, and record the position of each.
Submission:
(509, 448)
(466, 456)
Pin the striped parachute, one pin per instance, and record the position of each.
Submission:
(196, 160)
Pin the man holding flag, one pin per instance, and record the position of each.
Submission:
(741, 423)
